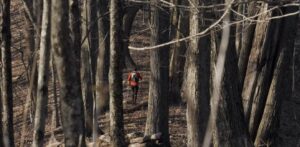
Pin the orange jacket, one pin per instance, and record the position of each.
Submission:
(132, 82)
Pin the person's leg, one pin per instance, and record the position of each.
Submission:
(133, 93)
(136, 92)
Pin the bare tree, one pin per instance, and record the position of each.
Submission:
(115, 76)
(92, 14)
(179, 50)
(55, 97)
(42, 91)
(67, 63)
(102, 88)
(246, 41)
(86, 71)
(281, 84)
(158, 110)
(195, 87)
(257, 99)
(228, 123)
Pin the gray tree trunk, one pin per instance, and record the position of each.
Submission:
(102, 88)
(86, 73)
(281, 85)
(56, 102)
(158, 108)
(246, 42)
(93, 35)
(197, 79)
(178, 57)
(265, 68)
(254, 66)
(115, 76)
(42, 91)
(37, 18)
(6, 82)
(67, 61)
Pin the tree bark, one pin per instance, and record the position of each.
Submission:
(158, 109)
(102, 87)
(229, 126)
(6, 82)
(254, 68)
(281, 85)
(86, 71)
(265, 70)
(37, 15)
(197, 78)
(67, 63)
(246, 44)
(178, 57)
(115, 77)
(42, 91)
(56, 102)
(93, 35)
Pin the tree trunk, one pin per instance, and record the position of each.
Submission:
(254, 68)
(229, 127)
(67, 63)
(93, 35)
(178, 57)
(42, 91)
(86, 73)
(102, 88)
(281, 84)
(265, 70)
(195, 87)
(246, 44)
(158, 109)
(56, 103)
(37, 15)
(6, 82)
(128, 19)
(115, 77)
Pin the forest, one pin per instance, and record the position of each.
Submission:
(150, 73)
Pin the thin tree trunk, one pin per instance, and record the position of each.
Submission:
(67, 61)
(42, 91)
(102, 87)
(281, 86)
(56, 103)
(37, 14)
(158, 108)
(86, 73)
(93, 36)
(6, 85)
(178, 58)
(101, 101)
(239, 27)
(115, 77)
(246, 44)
